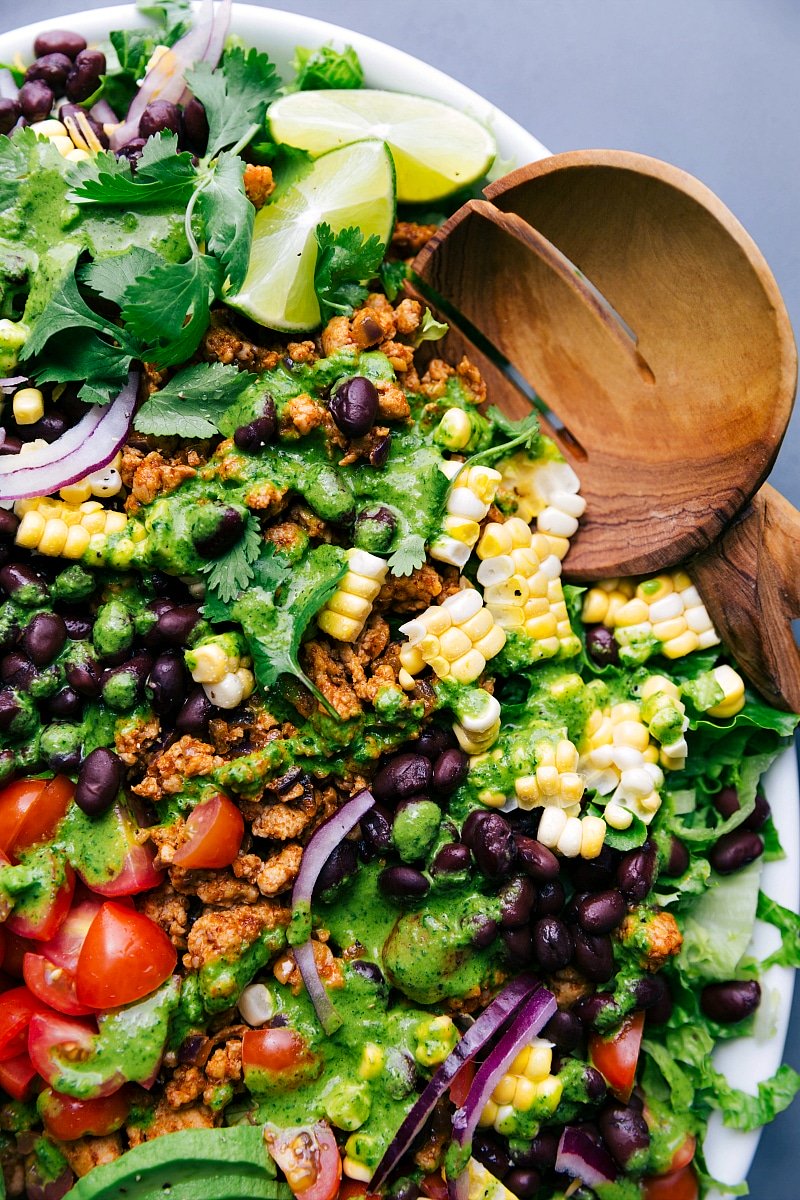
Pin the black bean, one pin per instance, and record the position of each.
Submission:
(636, 873)
(132, 150)
(523, 1182)
(84, 78)
(593, 874)
(492, 1153)
(678, 861)
(66, 703)
(517, 901)
(166, 684)
(493, 846)
(369, 971)
(550, 898)
(535, 859)
(760, 814)
(595, 1085)
(553, 943)
(52, 69)
(9, 114)
(354, 405)
(519, 946)
(59, 41)
(452, 859)
(470, 827)
(732, 1001)
(434, 740)
(35, 100)
(648, 991)
(660, 1011)
(601, 645)
(589, 1009)
(11, 445)
(450, 770)
(402, 776)
(160, 116)
(726, 802)
(735, 850)
(564, 1029)
(600, 912)
(483, 930)
(374, 529)
(376, 828)
(624, 1132)
(379, 453)
(594, 955)
(9, 708)
(195, 714)
(540, 1152)
(44, 638)
(340, 863)
(219, 530)
(79, 629)
(9, 523)
(18, 669)
(257, 434)
(14, 576)
(570, 913)
(195, 125)
(403, 883)
(99, 781)
(175, 625)
(84, 677)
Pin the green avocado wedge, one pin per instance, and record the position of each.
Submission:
(193, 1164)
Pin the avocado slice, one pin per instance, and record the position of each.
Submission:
(193, 1164)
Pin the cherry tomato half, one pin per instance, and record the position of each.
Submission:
(616, 1056)
(30, 810)
(124, 956)
(64, 948)
(309, 1158)
(434, 1187)
(53, 985)
(42, 922)
(137, 873)
(17, 1008)
(277, 1058)
(460, 1086)
(66, 1119)
(17, 1076)
(678, 1185)
(215, 829)
(354, 1189)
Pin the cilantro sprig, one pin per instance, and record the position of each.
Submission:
(194, 401)
(344, 260)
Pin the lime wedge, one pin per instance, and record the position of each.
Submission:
(436, 148)
(351, 186)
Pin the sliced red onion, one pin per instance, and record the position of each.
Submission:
(493, 1017)
(84, 448)
(315, 855)
(536, 1012)
(12, 382)
(167, 79)
(103, 113)
(581, 1156)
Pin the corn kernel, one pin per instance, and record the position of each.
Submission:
(54, 538)
(504, 1092)
(371, 1064)
(28, 406)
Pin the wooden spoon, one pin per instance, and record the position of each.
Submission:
(671, 428)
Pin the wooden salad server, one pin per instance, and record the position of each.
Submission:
(620, 296)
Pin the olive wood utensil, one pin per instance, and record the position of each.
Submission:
(620, 295)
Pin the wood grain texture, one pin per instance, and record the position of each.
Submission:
(680, 415)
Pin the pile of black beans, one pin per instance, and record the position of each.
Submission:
(65, 73)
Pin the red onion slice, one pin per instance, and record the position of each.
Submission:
(12, 382)
(581, 1156)
(104, 113)
(536, 1012)
(493, 1017)
(84, 448)
(166, 80)
(315, 855)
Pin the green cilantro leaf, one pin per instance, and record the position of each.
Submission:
(82, 355)
(163, 176)
(392, 276)
(169, 308)
(344, 261)
(228, 216)
(16, 156)
(326, 68)
(408, 556)
(235, 96)
(229, 575)
(111, 277)
(66, 309)
(193, 401)
(167, 13)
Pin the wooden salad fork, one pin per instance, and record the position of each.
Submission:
(621, 297)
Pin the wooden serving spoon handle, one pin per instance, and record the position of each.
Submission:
(750, 583)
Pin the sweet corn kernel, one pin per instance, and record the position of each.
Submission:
(545, 488)
(372, 1059)
(732, 686)
(468, 501)
(345, 614)
(442, 637)
(504, 1092)
(28, 406)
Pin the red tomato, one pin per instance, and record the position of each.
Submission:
(17, 1008)
(352, 1188)
(53, 985)
(434, 1187)
(684, 1154)
(678, 1185)
(54, 909)
(616, 1057)
(309, 1158)
(137, 873)
(17, 1076)
(63, 950)
(16, 949)
(66, 1119)
(462, 1083)
(215, 829)
(277, 1058)
(30, 810)
(124, 957)
(50, 1035)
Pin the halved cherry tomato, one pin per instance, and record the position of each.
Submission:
(678, 1185)
(30, 810)
(684, 1154)
(616, 1056)
(215, 829)
(351, 1189)
(50, 1035)
(53, 985)
(277, 1058)
(137, 872)
(2, 945)
(17, 1076)
(462, 1083)
(16, 949)
(66, 1119)
(42, 924)
(124, 956)
(434, 1187)
(309, 1158)
(17, 1008)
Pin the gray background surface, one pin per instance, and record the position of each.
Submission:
(710, 85)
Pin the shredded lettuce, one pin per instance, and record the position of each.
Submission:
(718, 927)
(788, 925)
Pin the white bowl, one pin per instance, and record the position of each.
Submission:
(745, 1061)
